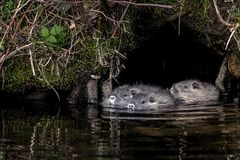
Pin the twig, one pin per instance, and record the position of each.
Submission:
(233, 26)
(6, 56)
(10, 25)
(20, 21)
(31, 62)
(121, 19)
(181, 2)
(220, 17)
(142, 4)
(33, 24)
(42, 73)
(233, 30)
(92, 10)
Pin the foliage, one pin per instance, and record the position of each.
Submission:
(6, 10)
(52, 42)
(56, 36)
(47, 43)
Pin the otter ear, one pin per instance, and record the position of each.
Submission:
(195, 85)
(152, 99)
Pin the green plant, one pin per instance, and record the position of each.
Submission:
(6, 10)
(56, 36)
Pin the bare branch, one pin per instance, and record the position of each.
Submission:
(121, 19)
(6, 56)
(232, 26)
(141, 4)
(220, 17)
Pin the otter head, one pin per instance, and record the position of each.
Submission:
(146, 102)
(188, 90)
(195, 86)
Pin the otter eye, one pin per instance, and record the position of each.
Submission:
(151, 99)
(185, 87)
(125, 95)
(195, 85)
(133, 92)
(143, 102)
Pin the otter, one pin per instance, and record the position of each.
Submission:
(122, 95)
(191, 91)
(155, 99)
(119, 96)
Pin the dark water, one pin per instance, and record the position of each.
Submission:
(185, 132)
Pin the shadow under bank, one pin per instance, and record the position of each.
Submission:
(167, 58)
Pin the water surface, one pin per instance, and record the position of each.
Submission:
(40, 131)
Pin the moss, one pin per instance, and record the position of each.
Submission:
(18, 72)
(89, 44)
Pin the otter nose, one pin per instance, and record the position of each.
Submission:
(131, 106)
(112, 99)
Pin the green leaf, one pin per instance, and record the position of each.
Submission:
(56, 30)
(51, 39)
(44, 32)
(62, 37)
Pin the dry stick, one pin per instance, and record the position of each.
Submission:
(68, 52)
(30, 51)
(121, 20)
(14, 52)
(41, 71)
(33, 24)
(233, 26)
(142, 4)
(112, 1)
(10, 25)
(55, 15)
(233, 30)
(31, 62)
(181, 2)
(6, 55)
(92, 10)
(20, 21)
(49, 21)
(220, 17)
(19, 7)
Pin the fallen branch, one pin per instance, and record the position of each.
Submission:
(121, 20)
(231, 25)
(142, 4)
(7, 56)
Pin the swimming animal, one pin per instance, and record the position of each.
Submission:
(190, 91)
(122, 95)
(119, 96)
(154, 99)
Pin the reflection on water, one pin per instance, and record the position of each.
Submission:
(185, 132)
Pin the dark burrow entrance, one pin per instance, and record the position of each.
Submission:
(167, 58)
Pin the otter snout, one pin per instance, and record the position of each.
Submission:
(112, 99)
(131, 106)
(174, 90)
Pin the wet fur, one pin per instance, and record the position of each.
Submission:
(194, 91)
